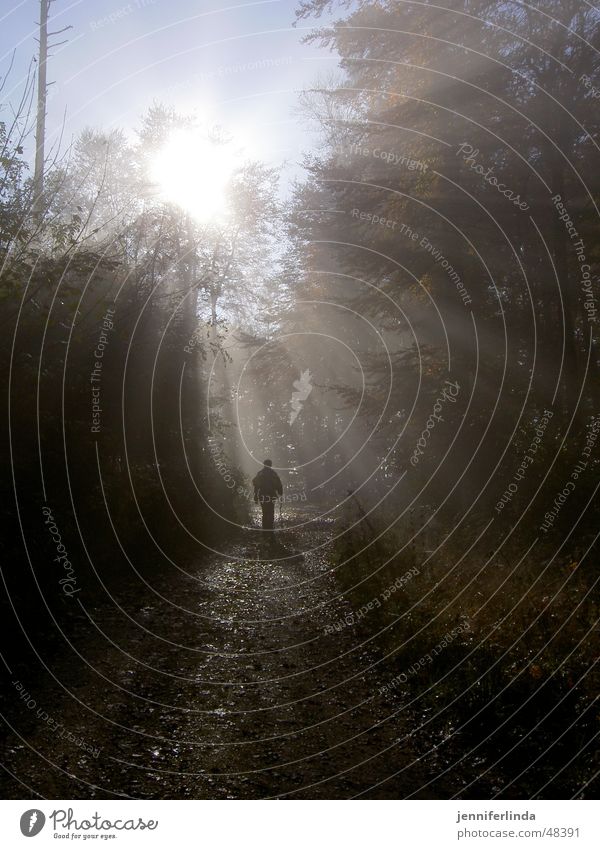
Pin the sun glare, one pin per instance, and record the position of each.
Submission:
(194, 172)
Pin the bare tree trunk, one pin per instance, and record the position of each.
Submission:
(40, 131)
(213, 313)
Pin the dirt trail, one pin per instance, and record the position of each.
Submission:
(228, 686)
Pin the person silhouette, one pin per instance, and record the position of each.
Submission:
(267, 489)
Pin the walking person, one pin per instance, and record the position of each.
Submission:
(267, 489)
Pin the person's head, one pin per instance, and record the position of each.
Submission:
(268, 463)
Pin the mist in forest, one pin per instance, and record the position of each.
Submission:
(358, 240)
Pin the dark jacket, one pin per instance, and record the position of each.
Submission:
(267, 484)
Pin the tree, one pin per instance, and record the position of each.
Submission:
(42, 94)
(448, 127)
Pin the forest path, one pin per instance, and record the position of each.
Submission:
(229, 686)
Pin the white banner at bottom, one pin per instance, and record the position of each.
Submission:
(296, 824)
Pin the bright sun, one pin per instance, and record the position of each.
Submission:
(194, 172)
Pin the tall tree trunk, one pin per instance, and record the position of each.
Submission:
(40, 131)
(213, 314)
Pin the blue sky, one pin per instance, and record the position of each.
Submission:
(238, 65)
